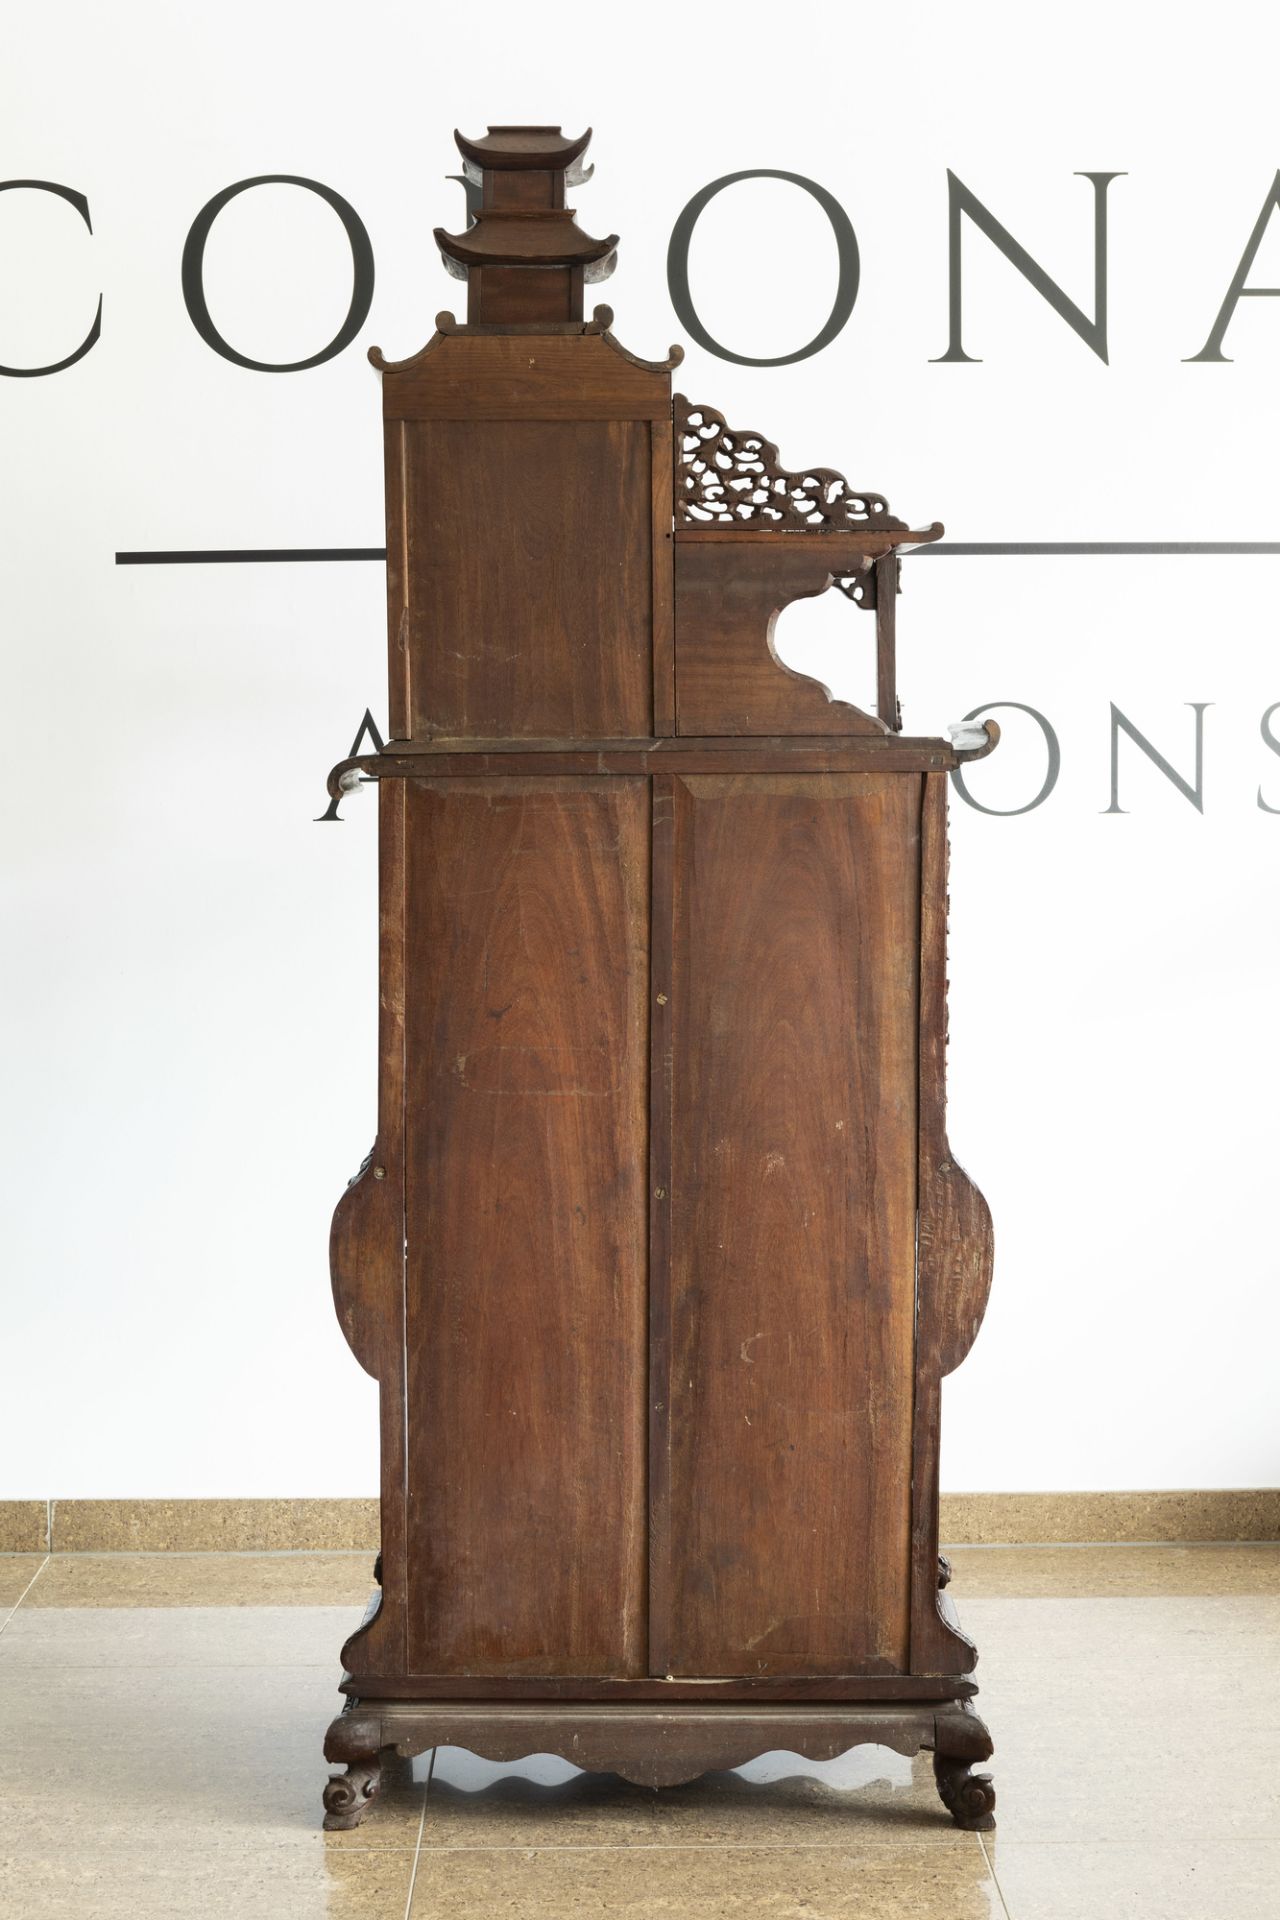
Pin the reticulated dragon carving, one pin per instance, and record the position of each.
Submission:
(731, 477)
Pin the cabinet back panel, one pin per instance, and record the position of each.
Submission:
(784, 1349)
(524, 567)
(526, 1116)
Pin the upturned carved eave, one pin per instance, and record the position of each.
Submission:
(445, 325)
(600, 324)
(518, 237)
(523, 149)
(522, 253)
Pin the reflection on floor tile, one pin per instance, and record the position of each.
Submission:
(755, 1883)
(199, 1758)
(240, 1881)
(1171, 1881)
(67, 1638)
(1132, 1719)
(870, 1796)
(1098, 1572)
(17, 1571)
(538, 1802)
(205, 1580)
(163, 1721)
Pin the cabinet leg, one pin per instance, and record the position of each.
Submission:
(969, 1797)
(348, 1795)
(960, 1738)
(355, 1738)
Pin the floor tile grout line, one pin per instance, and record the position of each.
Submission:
(995, 1878)
(1092, 1546)
(321, 1550)
(422, 1822)
(25, 1591)
(895, 1844)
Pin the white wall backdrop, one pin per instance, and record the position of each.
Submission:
(189, 961)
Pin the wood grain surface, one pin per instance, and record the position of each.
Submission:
(526, 1042)
(366, 1254)
(955, 1256)
(785, 1350)
(527, 578)
(728, 595)
(852, 753)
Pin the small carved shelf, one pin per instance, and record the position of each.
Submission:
(661, 1253)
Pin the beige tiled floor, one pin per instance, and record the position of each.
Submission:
(161, 1715)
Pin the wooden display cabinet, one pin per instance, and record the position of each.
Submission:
(661, 1254)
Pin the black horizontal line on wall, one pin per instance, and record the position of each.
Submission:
(1095, 546)
(224, 556)
(245, 556)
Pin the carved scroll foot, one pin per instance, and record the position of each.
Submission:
(969, 1797)
(355, 1738)
(347, 1796)
(960, 1739)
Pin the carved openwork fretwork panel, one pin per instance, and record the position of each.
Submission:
(731, 477)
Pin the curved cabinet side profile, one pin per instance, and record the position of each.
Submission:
(366, 1251)
(361, 1258)
(954, 1257)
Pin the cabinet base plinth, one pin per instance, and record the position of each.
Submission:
(658, 1746)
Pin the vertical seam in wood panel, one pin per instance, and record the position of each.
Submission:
(923, 1580)
(406, 655)
(662, 606)
(392, 1374)
(677, 558)
(661, 911)
(904, 1649)
(638, 1664)
(913, 1648)
(649, 1246)
(403, 832)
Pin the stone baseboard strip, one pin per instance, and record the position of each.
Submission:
(336, 1526)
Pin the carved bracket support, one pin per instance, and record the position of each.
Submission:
(858, 585)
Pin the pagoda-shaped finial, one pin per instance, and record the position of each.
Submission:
(526, 258)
